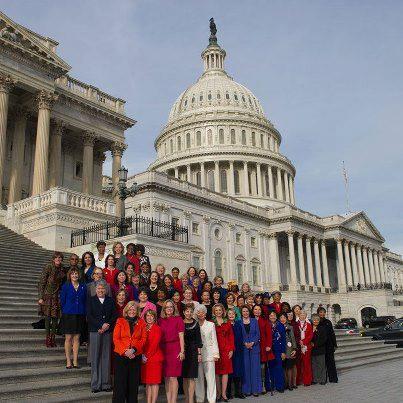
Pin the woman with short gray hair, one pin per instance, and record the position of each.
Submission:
(318, 352)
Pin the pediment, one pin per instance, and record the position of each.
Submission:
(23, 40)
(362, 224)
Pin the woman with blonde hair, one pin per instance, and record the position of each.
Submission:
(173, 347)
(151, 369)
(120, 257)
(129, 338)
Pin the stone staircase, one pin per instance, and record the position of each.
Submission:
(31, 372)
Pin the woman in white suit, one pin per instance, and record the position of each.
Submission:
(209, 354)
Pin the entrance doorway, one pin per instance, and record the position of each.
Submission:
(367, 314)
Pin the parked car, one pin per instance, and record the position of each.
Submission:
(392, 331)
(378, 321)
(346, 323)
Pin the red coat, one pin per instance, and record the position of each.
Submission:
(265, 340)
(276, 306)
(110, 276)
(226, 343)
(151, 371)
(304, 367)
(123, 340)
(135, 261)
(178, 285)
(308, 334)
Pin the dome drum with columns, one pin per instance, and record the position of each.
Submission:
(218, 137)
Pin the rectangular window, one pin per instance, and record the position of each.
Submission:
(253, 241)
(255, 279)
(239, 269)
(196, 262)
(195, 228)
(175, 221)
(238, 237)
(78, 170)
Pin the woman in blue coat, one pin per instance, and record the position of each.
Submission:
(237, 358)
(279, 348)
(252, 380)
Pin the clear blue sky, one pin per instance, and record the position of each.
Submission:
(328, 74)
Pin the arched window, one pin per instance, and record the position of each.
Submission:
(210, 180)
(218, 95)
(171, 145)
(187, 140)
(223, 181)
(236, 97)
(186, 102)
(209, 96)
(255, 274)
(227, 96)
(221, 136)
(165, 148)
(261, 140)
(179, 143)
(201, 98)
(266, 179)
(209, 137)
(253, 138)
(198, 138)
(239, 272)
(244, 137)
(218, 262)
(237, 184)
(232, 136)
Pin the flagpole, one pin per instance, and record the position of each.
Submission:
(346, 188)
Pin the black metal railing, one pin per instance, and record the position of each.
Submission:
(128, 226)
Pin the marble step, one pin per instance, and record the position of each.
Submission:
(350, 356)
(365, 347)
(37, 361)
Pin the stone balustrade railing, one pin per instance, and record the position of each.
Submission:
(162, 178)
(61, 196)
(91, 93)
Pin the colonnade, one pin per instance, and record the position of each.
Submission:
(308, 263)
(48, 146)
(239, 178)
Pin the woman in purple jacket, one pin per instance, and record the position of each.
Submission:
(73, 301)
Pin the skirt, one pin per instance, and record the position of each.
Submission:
(50, 306)
(151, 373)
(289, 363)
(72, 324)
(190, 365)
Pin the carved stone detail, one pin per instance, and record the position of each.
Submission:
(118, 148)
(46, 100)
(6, 83)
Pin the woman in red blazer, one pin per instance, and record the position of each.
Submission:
(151, 369)
(265, 344)
(129, 338)
(305, 334)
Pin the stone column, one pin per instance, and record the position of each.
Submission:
(348, 264)
(319, 282)
(231, 181)
(341, 276)
(292, 196)
(55, 153)
(17, 158)
(311, 280)
(366, 267)
(45, 102)
(88, 161)
(354, 264)
(274, 261)
(202, 175)
(382, 271)
(245, 179)
(324, 265)
(259, 180)
(99, 159)
(286, 186)
(118, 149)
(6, 85)
(216, 176)
(360, 266)
(301, 261)
(188, 174)
(271, 182)
(371, 266)
(176, 172)
(279, 185)
(291, 252)
(376, 267)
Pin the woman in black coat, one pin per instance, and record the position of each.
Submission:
(318, 351)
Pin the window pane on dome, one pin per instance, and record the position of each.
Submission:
(221, 136)
(198, 138)
(223, 180)
(232, 136)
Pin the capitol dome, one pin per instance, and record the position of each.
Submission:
(218, 137)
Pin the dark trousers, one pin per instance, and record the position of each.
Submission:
(331, 366)
(126, 376)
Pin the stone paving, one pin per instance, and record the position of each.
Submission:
(373, 383)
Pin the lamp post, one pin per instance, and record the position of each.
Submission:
(124, 192)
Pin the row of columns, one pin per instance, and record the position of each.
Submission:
(48, 147)
(359, 264)
(315, 264)
(284, 181)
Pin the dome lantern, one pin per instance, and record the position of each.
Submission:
(213, 56)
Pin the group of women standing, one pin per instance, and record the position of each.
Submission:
(213, 342)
